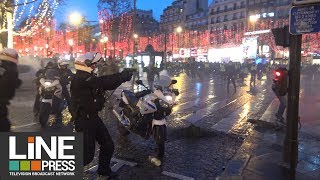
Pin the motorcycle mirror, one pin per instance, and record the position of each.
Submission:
(174, 81)
(139, 82)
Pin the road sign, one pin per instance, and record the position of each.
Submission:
(296, 2)
(304, 19)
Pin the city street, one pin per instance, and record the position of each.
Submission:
(211, 130)
(205, 130)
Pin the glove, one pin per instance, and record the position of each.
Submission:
(126, 76)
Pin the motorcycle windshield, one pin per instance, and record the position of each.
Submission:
(51, 74)
(164, 80)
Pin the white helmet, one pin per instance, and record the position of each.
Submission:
(9, 54)
(84, 62)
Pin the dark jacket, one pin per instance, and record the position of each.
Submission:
(65, 76)
(9, 81)
(84, 87)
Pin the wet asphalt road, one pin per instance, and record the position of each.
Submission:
(200, 153)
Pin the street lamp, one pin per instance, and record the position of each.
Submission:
(48, 39)
(105, 40)
(75, 18)
(135, 36)
(179, 30)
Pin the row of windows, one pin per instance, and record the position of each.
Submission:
(234, 26)
(198, 15)
(171, 19)
(173, 11)
(233, 16)
(143, 16)
(253, 3)
(225, 8)
(226, 19)
(198, 23)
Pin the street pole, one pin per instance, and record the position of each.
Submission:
(71, 53)
(291, 139)
(172, 44)
(165, 50)
(47, 47)
(105, 50)
(133, 24)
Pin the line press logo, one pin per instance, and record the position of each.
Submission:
(37, 156)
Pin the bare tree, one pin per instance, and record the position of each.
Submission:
(115, 9)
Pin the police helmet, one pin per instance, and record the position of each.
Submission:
(9, 54)
(86, 61)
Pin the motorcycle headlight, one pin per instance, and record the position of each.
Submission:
(169, 98)
(47, 83)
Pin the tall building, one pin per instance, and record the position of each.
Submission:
(197, 21)
(146, 25)
(267, 11)
(264, 15)
(184, 13)
(227, 15)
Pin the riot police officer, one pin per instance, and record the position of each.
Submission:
(65, 79)
(85, 96)
(9, 82)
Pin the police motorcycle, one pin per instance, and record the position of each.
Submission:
(50, 91)
(145, 112)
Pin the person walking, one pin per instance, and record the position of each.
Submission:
(231, 76)
(253, 73)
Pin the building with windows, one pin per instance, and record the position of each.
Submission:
(227, 15)
(184, 13)
(146, 25)
(263, 14)
(197, 21)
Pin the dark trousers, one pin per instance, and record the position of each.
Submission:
(253, 79)
(4, 121)
(282, 106)
(232, 79)
(36, 105)
(94, 130)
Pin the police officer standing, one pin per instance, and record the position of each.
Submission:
(65, 79)
(9, 82)
(85, 100)
(230, 72)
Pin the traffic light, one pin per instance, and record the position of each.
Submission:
(281, 36)
(280, 82)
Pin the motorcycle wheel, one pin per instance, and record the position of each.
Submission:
(122, 130)
(160, 136)
(44, 113)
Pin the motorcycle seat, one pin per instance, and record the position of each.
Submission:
(132, 99)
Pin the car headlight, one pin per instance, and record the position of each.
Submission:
(47, 83)
(169, 98)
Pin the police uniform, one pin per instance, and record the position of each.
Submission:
(65, 77)
(9, 82)
(85, 98)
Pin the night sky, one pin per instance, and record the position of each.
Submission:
(89, 8)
